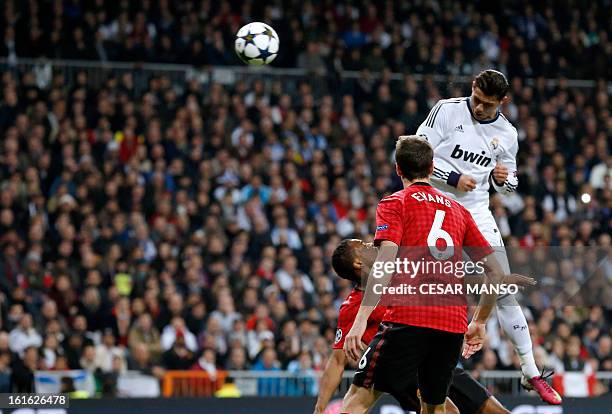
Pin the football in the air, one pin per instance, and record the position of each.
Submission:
(256, 44)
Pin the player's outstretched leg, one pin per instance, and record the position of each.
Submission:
(513, 322)
(449, 405)
(432, 409)
(359, 400)
(493, 406)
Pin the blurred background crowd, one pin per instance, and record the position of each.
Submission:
(190, 226)
(562, 38)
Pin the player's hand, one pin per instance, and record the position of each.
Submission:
(520, 280)
(466, 183)
(500, 173)
(473, 339)
(353, 347)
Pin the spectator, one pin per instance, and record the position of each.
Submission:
(289, 275)
(143, 332)
(557, 355)
(601, 174)
(175, 330)
(289, 345)
(5, 371)
(225, 312)
(88, 360)
(237, 360)
(311, 60)
(93, 310)
(214, 336)
(179, 356)
(67, 385)
(24, 335)
(303, 367)
(283, 234)
(604, 351)
(107, 352)
(140, 360)
(259, 338)
(74, 346)
(207, 362)
(22, 376)
(560, 203)
(573, 360)
(49, 352)
(268, 362)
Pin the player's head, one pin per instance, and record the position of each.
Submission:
(489, 90)
(352, 258)
(413, 158)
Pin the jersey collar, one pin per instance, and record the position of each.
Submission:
(481, 122)
(420, 183)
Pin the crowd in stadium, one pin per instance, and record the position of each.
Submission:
(546, 39)
(192, 227)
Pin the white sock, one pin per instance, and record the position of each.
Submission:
(514, 324)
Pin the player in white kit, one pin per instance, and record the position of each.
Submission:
(475, 146)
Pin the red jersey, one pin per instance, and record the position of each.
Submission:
(346, 317)
(422, 216)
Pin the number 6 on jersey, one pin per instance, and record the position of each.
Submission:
(436, 233)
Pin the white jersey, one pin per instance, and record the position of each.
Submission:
(464, 145)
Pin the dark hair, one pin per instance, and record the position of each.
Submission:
(414, 156)
(492, 83)
(67, 384)
(342, 261)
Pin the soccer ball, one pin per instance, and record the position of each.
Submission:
(256, 44)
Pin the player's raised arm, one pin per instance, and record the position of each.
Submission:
(504, 176)
(330, 379)
(475, 335)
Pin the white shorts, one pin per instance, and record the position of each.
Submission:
(488, 227)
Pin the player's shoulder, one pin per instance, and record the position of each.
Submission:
(394, 198)
(449, 104)
(444, 108)
(512, 132)
(453, 100)
(350, 306)
(406, 195)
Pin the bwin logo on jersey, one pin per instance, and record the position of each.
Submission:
(465, 155)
